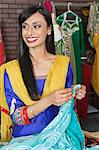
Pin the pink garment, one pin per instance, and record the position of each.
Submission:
(2, 51)
(48, 6)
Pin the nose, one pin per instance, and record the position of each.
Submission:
(30, 31)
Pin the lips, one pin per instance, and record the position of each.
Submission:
(31, 39)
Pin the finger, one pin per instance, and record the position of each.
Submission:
(79, 96)
(66, 94)
(83, 87)
(67, 98)
(82, 92)
(66, 90)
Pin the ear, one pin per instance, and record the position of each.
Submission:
(49, 30)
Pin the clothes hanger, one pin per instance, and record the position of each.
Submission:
(71, 13)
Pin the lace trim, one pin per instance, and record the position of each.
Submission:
(41, 77)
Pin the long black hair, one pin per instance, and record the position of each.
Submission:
(24, 58)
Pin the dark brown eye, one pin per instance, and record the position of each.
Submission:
(37, 26)
(24, 26)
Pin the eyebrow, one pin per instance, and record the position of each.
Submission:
(33, 22)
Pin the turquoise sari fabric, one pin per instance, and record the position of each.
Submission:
(63, 133)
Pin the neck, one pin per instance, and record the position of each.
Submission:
(38, 54)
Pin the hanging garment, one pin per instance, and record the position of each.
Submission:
(93, 30)
(90, 25)
(93, 22)
(53, 14)
(65, 46)
(82, 106)
(78, 41)
(95, 67)
(59, 48)
(2, 51)
(47, 5)
(67, 30)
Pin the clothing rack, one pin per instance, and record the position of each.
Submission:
(74, 4)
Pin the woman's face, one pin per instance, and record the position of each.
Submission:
(35, 30)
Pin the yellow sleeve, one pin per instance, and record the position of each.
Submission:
(5, 118)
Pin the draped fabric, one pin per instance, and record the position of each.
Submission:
(2, 51)
(47, 5)
(14, 102)
(76, 33)
(82, 105)
(93, 23)
(95, 67)
(63, 133)
(73, 39)
(93, 32)
(60, 66)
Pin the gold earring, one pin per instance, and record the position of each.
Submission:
(49, 33)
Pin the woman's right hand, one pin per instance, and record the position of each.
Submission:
(59, 97)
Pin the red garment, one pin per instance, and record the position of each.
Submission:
(2, 51)
(82, 105)
(48, 6)
(4, 110)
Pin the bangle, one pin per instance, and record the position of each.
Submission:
(25, 116)
(31, 111)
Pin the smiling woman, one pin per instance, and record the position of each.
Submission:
(40, 92)
(35, 30)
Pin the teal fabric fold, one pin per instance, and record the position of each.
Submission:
(63, 132)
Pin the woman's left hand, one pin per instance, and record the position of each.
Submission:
(80, 93)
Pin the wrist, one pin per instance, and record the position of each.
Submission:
(47, 101)
(30, 112)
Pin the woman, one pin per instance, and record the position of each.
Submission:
(35, 86)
